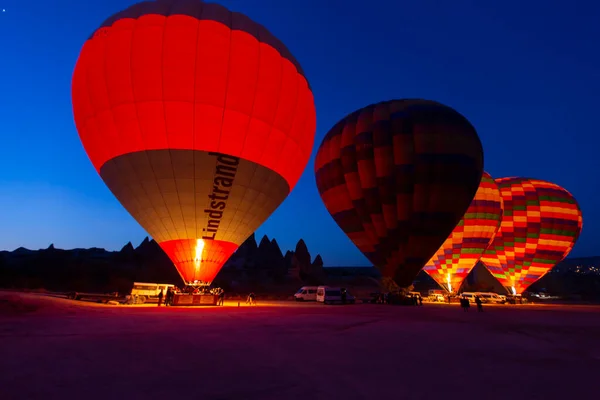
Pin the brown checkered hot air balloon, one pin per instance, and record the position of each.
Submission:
(397, 177)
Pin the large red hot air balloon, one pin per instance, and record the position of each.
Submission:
(397, 177)
(453, 261)
(540, 226)
(198, 120)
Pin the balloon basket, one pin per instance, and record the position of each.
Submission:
(195, 300)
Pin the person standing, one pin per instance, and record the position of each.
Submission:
(464, 303)
(221, 297)
(160, 297)
(479, 304)
(168, 297)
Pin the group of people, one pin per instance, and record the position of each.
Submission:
(465, 304)
(168, 298)
(417, 299)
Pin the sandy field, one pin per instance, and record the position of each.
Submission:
(59, 349)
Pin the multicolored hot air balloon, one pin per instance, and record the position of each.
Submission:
(198, 120)
(464, 247)
(397, 177)
(540, 226)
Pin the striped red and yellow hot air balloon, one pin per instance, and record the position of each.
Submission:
(198, 120)
(540, 226)
(397, 177)
(470, 238)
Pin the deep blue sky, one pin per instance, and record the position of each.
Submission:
(525, 73)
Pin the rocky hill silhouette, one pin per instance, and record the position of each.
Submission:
(259, 267)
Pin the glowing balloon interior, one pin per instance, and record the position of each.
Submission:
(198, 120)
(470, 238)
(540, 226)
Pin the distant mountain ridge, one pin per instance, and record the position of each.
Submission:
(253, 266)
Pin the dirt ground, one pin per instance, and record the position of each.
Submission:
(59, 349)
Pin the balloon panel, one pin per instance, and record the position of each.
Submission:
(464, 247)
(162, 90)
(176, 81)
(180, 196)
(397, 177)
(540, 226)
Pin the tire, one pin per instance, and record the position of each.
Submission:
(142, 299)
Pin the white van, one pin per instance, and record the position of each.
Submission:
(332, 295)
(321, 293)
(489, 297)
(148, 292)
(469, 296)
(306, 293)
(437, 295)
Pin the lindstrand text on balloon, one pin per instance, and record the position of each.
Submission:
(225, 171)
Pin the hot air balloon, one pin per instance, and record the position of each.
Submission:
(464, 247)
(397, 177)
(540, 226)
(198, 120)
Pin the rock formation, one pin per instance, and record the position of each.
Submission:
(261, 268)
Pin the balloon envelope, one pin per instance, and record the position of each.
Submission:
(464, 247)
(397, 177)
(198, 120)
(540, 226)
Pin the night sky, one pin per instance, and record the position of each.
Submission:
(525, 73)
